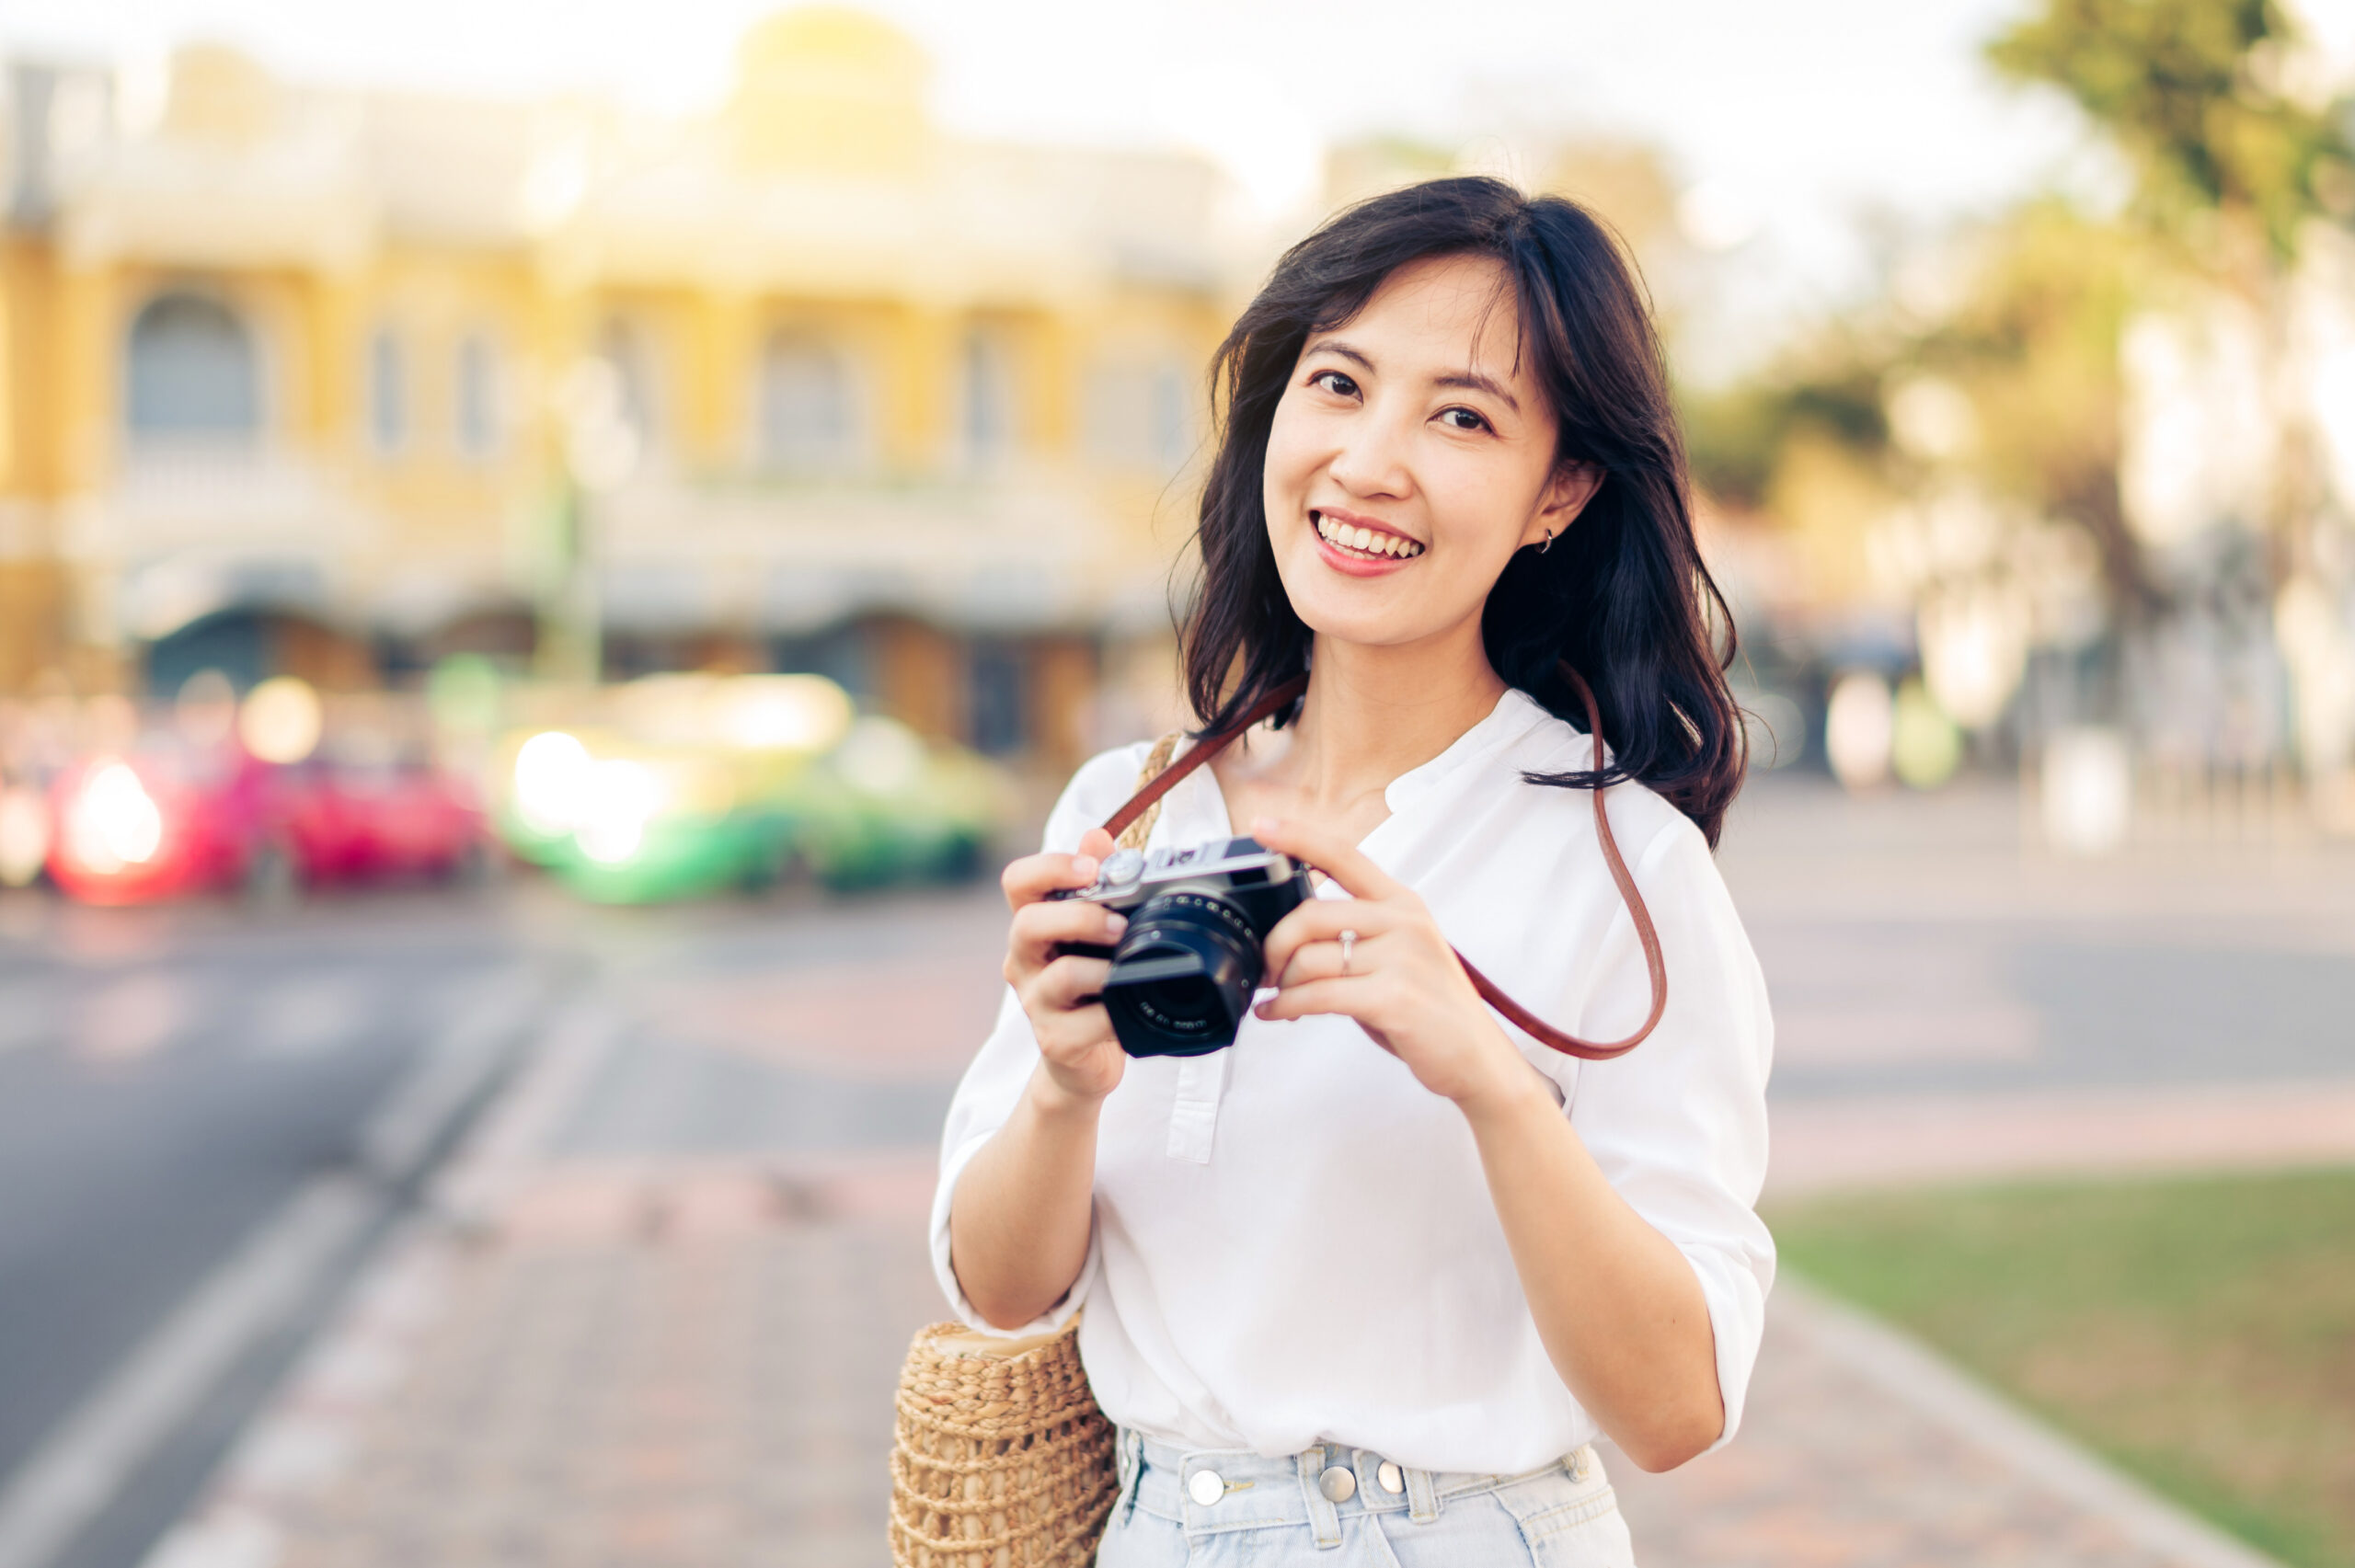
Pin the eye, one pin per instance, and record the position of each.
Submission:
(1334, 381)
(1463, 419)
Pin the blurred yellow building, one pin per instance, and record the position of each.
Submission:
(343, 382)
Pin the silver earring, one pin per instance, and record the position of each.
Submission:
(1549, 543)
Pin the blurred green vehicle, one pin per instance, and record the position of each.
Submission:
(694, 785)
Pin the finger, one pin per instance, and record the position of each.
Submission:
(1034, 876)
(1038, 929)
(1065, 1036)
(1321, 960)
(1347, 997)
(1070, 981)
(1329, 850)
(1324, 920)
(1096, 842)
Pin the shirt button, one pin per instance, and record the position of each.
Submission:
(1393, 1479)
(1339, 1483)
(1204, 1486)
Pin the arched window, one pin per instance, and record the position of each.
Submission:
(193, 371)
(387, 391)
(476, 402)
(805, 402)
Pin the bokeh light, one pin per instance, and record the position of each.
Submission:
(798, 712)
(619, 799)
(2088, 790)
(1858, 725)
(552, 782)
(1924, 744)
(111, 822)
(281, 719)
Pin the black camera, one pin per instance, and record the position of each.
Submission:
(1185, 970)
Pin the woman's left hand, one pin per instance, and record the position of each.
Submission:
(1402, 981)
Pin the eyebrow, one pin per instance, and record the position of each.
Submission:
(1472, 380)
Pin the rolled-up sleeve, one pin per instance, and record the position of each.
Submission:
(993, 1084)
(1679, 1124)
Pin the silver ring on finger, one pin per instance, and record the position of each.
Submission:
(1348, 940)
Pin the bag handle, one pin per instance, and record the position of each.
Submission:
(1655, 966)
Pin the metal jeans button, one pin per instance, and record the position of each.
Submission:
(1205, 1486)
(1339, 1483)
(1393, 1479)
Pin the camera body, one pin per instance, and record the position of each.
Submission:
(1183, 971)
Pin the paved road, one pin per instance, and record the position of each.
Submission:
(1922, 946)
(170, 1080)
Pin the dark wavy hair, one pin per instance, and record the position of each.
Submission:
(1622, 597)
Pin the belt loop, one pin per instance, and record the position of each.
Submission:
(1131, 1448)
(1323, 1518)
(1423, 1497)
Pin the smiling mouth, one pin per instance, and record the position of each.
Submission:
(1371, 543)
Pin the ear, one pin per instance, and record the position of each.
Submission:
(1566, 495)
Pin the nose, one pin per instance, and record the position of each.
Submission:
(1371, 460)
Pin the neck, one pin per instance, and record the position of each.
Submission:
(1374, 711)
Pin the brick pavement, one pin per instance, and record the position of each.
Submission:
(692, 1364)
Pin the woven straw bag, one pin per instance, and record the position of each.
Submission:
(1002, 1459)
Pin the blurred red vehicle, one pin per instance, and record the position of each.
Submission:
(340, 823)
(164, 819)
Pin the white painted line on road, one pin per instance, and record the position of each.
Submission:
(241, 1523)
(402, 1132)
(515, 1136)
(74, 1474)
(1951, 1397)
(71, 1479)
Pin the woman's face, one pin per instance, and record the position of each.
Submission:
(1411, 456)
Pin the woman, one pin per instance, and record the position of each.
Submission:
(1376, 1276)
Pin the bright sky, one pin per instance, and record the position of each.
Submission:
(1813, 122)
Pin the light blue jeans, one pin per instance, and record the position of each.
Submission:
(1246, 1510)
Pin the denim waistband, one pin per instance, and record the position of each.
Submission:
(1252, 1492)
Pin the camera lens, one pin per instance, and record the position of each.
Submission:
(1182, 976)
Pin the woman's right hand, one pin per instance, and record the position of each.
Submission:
(1081, 1056)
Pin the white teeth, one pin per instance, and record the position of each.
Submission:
(1366, 540)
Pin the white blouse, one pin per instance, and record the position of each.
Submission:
(1294, 1242)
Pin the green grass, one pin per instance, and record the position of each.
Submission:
(2199, 1332)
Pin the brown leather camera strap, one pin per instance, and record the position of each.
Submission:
(1568, 1045)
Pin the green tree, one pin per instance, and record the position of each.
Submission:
(2196, 94)
(2231, 162)
(2035, 342)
